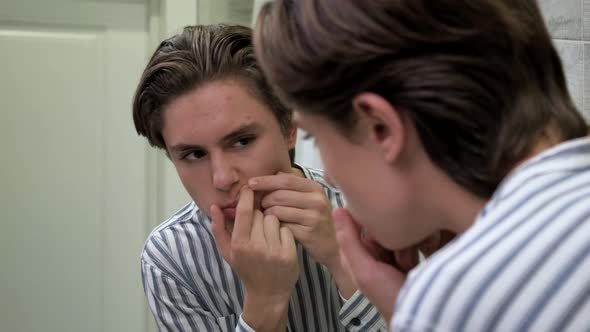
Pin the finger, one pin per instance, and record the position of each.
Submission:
(369, 273)
(258, 227)
(244, 215)
(296, 199)
(348, 234)
(222, 236)
(258, 196)
(300, 233)
(293, 215)
(287, 242)
(283, 181)
(271, 232)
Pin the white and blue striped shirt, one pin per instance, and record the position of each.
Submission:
(525, 263)
(189, 287)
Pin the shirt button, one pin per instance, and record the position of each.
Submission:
(356, 321)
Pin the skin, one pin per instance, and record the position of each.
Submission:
(259, 241)
(232, 158)
(394, 192)
(218, 137)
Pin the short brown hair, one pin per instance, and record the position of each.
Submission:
(198, 55)
(480, 80)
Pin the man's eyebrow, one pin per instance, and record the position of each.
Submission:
(241, 131)
(185, 147)
(236, 134)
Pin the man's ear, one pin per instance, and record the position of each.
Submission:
(291, 137)
(383, 125)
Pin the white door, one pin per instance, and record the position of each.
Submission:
(73, 174)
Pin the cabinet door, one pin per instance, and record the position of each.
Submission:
(73, 171)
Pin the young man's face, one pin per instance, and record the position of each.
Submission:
(379, 197)
(218, 136)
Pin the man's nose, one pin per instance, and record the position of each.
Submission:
(224, 173)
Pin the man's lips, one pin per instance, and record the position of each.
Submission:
(229, 209)
(229, 212)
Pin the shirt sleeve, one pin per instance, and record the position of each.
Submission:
(359, 315)
(174, 305)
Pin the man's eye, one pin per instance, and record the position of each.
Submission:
(194, 155)
(243, 141)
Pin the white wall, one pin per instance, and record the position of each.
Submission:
(569, 24)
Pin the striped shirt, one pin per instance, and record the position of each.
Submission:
(189, 287)
(525, 263)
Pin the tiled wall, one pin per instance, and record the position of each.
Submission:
(569, 24)
(225, 11)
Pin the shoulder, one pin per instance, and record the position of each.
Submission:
(176, 240)
(502, 274)
(168, 226)
(422, 299)
(522, 264)
(183, 214)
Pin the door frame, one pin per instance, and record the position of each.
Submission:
(165, 18)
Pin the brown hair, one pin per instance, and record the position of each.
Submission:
(200, 54)
(480, 80)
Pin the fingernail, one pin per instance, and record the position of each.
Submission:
(252, 182)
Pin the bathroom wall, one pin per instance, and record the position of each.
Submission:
(569, 24)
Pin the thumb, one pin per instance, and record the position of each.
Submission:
(379, 281)
(349, 239)
(222, 235)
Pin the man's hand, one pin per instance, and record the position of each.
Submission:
(372, 268)
(264, 256)
(380, 273)
(301, 205)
